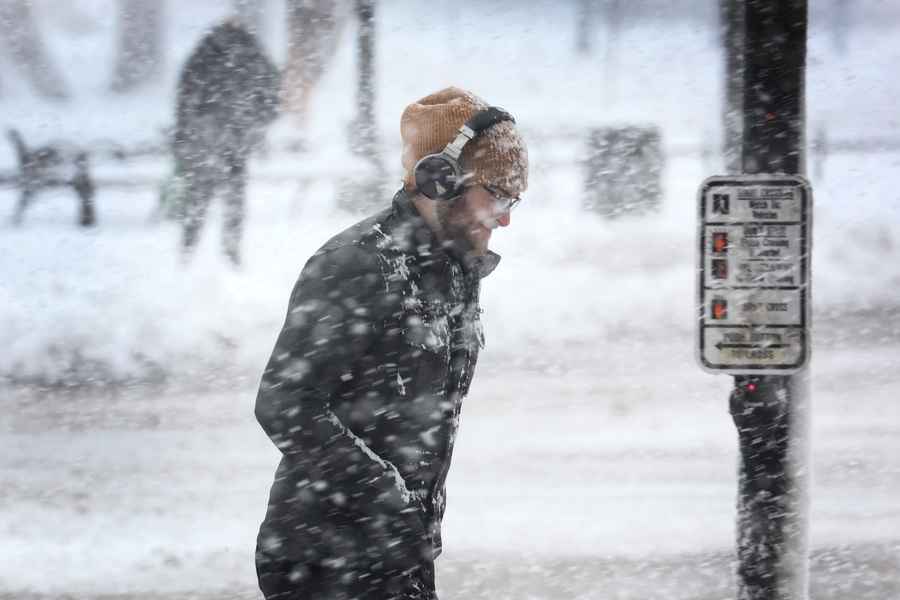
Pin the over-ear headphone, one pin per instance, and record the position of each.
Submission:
(439, 176)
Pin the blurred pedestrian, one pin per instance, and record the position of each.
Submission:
(227, 96)
(314, 30)
(363, 391)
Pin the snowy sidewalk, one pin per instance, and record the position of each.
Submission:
(602, 482)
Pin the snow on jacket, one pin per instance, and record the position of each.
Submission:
(363, 391)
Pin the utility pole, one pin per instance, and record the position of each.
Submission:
(731, 18)
(766, 43)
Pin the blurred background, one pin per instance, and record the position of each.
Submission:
(595, 458)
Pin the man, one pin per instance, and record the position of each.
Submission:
(227, 96)
(363, 392)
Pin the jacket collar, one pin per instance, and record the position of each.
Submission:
(424, 238)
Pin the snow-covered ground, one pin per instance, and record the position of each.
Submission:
(595, 459)
(594, 481)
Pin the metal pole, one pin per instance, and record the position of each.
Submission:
(365, 138)
(770, 412)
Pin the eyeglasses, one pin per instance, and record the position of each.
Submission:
(503, 204)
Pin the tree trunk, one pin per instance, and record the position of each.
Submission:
(313, 32)
(583, 26)
(19, 32)
(364, 134)
(139, 56)
(613, 14)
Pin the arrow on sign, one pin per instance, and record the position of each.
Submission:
(722, 345)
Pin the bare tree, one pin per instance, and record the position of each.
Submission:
(20, 34)
(70, 17)
(139, 56)
(313, 31)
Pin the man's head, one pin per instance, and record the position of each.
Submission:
(494, 166)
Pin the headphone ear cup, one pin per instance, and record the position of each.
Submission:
(437, 176)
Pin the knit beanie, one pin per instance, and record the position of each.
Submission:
(496, 157)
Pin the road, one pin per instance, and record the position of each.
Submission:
(602, 472)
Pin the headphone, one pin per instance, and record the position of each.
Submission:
(439, 176)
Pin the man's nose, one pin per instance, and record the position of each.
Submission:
(503, 220)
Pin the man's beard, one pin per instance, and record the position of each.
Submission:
(455, 233)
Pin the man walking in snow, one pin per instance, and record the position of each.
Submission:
(227, 96)
(363, 391)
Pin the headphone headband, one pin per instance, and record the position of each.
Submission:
(488, 117)
(481, 120)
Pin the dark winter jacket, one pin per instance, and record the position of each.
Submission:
(227, 95)
(363, 392)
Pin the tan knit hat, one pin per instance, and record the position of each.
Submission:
(496, 157)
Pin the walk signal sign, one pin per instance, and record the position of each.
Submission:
(754, 274)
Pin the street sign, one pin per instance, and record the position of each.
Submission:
(754, 274)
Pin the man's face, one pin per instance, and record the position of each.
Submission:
(470, 220)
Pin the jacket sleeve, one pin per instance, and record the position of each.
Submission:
(336, 312)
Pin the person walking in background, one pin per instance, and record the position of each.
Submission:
(363, 391)
(313, 30)
(227, 95)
